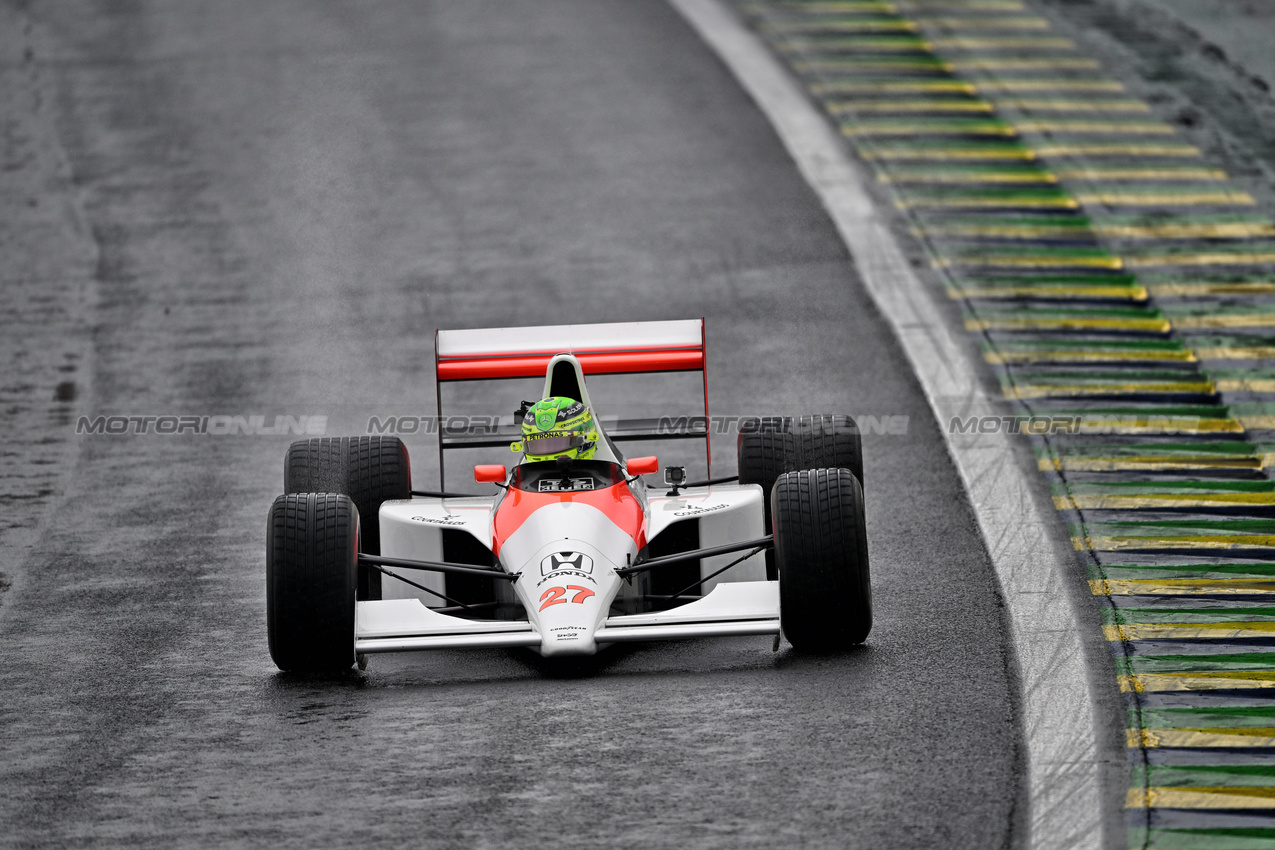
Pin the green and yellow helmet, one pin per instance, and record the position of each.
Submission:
(557, 427)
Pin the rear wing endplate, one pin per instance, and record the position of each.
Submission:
(487, 354)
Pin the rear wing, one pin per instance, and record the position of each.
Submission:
(488, 354)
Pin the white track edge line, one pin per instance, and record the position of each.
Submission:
(1058, 708)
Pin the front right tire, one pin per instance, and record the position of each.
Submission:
(821, 550)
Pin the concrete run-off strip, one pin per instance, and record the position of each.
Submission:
(1064, 757)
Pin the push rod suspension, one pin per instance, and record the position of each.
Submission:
(436, 566)
(456, 603)
(682, 557)
(715, 573)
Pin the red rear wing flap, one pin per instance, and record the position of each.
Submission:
(486, 354)
(620, 348)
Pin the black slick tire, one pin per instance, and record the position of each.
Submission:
(825, 591)
(311, 576)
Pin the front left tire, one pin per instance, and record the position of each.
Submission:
(311, 579)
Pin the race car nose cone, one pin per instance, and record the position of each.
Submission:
(568, 618)
(568, 640)
(568, 581)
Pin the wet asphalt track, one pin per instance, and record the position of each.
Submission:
(266, 208)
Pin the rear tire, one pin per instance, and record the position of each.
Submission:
(821, 546)
(829, 442)
(311, 575)
(765, 454)
(370, 470)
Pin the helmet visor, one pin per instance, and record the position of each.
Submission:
(552, 444)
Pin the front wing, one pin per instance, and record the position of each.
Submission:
(731, 608)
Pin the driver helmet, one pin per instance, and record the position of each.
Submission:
(557, 427)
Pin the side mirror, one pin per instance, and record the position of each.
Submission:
(643, 465)
(489, 473)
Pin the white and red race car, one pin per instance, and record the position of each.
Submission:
(568, 558)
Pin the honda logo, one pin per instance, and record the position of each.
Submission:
(559, 561)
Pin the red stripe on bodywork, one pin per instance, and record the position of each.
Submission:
(616, 501)
(574, 349)
(592, 364)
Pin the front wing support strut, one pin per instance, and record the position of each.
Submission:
(682, 557)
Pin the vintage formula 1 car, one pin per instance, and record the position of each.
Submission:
(574, 551)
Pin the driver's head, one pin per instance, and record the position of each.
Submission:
(558, 427)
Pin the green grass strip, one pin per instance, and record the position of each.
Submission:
(1220, 485)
